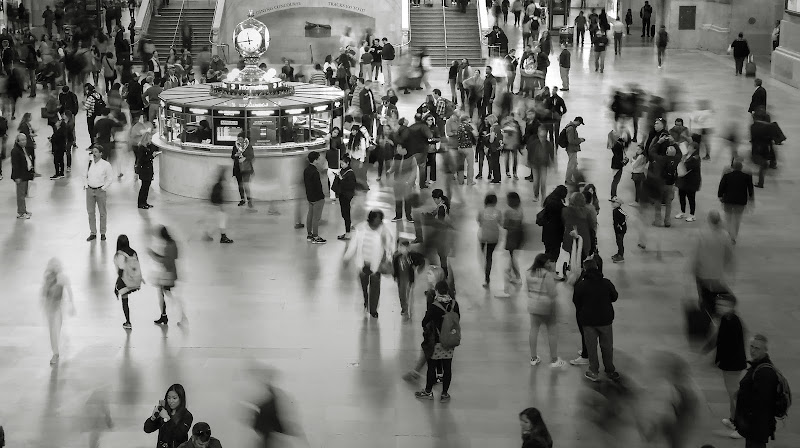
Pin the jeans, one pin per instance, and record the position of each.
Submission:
(58, 162)
(469, 157)
(313, 217)
(22, 191)
(584, 350)
(144, 190)
(431, 166)
(243, 181)
(405, 289)
(572, 167)
(667, 194)
(494, 165)
(371, 288)
(733, 217)
(96, 197)
(488, 251)
(661, 55)
(682, 196)
(344, 205)
(32, 78)
(446, 366)
(90, 127)
(510, 82)
(564, 78)
(739, 65)
(620, 237)
(646, 27)
(617, 43)
(638, 180)
(540, 182)
(511, 159)
(580, 36)
(387, 71)
(605, 335)
(615, 182)
(399, 206)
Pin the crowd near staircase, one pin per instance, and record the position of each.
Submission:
(162, 28)
(462, 39)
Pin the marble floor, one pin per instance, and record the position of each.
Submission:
(273, 299)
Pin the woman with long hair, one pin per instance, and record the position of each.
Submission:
(552, 222)
(489, 220)
(243, 157)
(689, 184)
(56, 292)
(433, 148)
(170, 418)
(164, 251)
(128, 275)
(25, 127)
(439, 356)
(512, 222)
(542, 307)
(346, 193)
(357, 150)
(534, 431)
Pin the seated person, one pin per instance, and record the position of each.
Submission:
(203, 133)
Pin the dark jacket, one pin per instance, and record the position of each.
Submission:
(579, 218)
(387, 53)
(347, 183)
(135, 96)
(762, 134)
(564, 59)
(435, 315)
(313, 184)
(759, 99)
(366, 104)
(248, 155)
(730, 344)
(144, 161)
(617, 155)
(557, 105)
(68, 102)
(735, 188)
(755, 402)
(593, 297)
(620, 220)
(174, 432)
(540, 153)
(19, 165)
(740, 48)
(212, 443)
(693, 179)
(553, 229)
(412, 261)
(59, 139)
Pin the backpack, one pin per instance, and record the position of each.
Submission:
(465, 137)
(99, 106)
(542, 217)
(131, 271)
(783, 393)
(670, 172)
(449, 108)
(563, 140)
(450, 334)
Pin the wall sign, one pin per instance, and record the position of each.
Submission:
(687, 16)
(359, 6)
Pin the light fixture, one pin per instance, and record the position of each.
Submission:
(229, 113)
(262, 113)
(294, 111)
(176, 108)
(199, 111)
(321, 108)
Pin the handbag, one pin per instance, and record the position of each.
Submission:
(682, 171)
(385, 267)
(246, 166)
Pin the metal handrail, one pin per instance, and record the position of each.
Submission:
(444, 23)
(178, 25)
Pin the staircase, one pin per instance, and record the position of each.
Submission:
(463, 35)
(162, 28)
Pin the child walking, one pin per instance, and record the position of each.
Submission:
(403, 264)
(620, 227)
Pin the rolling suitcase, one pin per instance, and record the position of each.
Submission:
(653, 30)
(750, 68)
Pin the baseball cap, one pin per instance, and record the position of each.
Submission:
(580, 120)
(202, 431)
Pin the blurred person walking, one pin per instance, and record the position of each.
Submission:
(442, 323)
(735, 192)
(542, 296)
(515, 234)
(662, 40)
(489, 220)
(218, 219)
(170, 418)
(164, 251)
(552, 223)
(404, 174)
(728, 339)
(713, 262)
(56, 298)
(541, 155)
(371, 251)
(129, 275)
(741, 51)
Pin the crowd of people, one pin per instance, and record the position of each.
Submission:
(484, 121)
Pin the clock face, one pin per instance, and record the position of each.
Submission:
(249, 40)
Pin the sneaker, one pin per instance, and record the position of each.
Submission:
(241, 203)
(729, 424)
(617, 258)
(397, 218)
(24, 216)
(318, 240)
(126, 325)
(343, 237)
(444, 398)
(423, 395)
(691, 218)
(536, 361)
(667, 224)
(735, 435)
(309, 238)
(299, 225)
(410, 220)
(54, 177)
(591, 376)
(102, 237)
(91, 237)
(613, 376)
(54, 360)
(225, 240)
(411, 376)
(558, 364)
(680, 216)
(579, 361)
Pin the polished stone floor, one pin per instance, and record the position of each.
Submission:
(273, 298)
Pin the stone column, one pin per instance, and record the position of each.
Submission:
(786, 58)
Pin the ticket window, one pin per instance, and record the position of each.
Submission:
(227, 130)
(295, 128)
(263, 131)
(321, 124)
(197, 129)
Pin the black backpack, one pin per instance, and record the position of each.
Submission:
(670, 171)
(563, 140)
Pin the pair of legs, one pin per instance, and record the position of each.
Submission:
(469, 158)
(371, 288)
(733, 218)
(620, 239)
(605, 336)
(54, 320)
(539, 182)
(615, 181)
(22, 192)
(739, 65)
(243, 181)
(512, 264)
(217, 221)
(600, 61)
(494, 165)
(731, 380)
(487, 249)
(144, 190)
(572, 167)
(314, 216)
(58, 161)
(552, 335)
(638, 180)
(564, 78)
(446, 366)
(405, 288)
(618, 43)
(511, 158)
(662, 52)
(683, 195)
(430, 167)
(402, 205)
(96, 199)
(667, 195)
(387, 71)
(344, 205)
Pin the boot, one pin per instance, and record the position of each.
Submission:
(224, 239)
(162, 321)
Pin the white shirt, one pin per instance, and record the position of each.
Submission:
(619, 27)
(100, 174)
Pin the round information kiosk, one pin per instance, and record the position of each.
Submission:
(198, 126)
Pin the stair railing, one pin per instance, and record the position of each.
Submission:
(217, 46)
(484, 28)
(178, 25)
(444, 23)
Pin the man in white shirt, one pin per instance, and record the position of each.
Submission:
(98, 178)
(619, 30)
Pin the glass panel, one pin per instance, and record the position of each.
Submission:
(263, 131)
(320, 124)
(294, 128)
(228, 130)
(173, 126)
(793, 5)
(197, 129)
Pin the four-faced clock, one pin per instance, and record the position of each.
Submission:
(249, 40)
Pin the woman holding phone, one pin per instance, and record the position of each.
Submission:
(170, 418)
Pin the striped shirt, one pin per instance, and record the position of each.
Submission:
(319, 78)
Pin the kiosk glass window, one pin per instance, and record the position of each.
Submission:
(228, 130)
(172, 125)
(197, 128)
(295, 126)
(263, 130)
(321, 124)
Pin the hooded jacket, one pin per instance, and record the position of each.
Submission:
(755, 401)
(593, 297)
